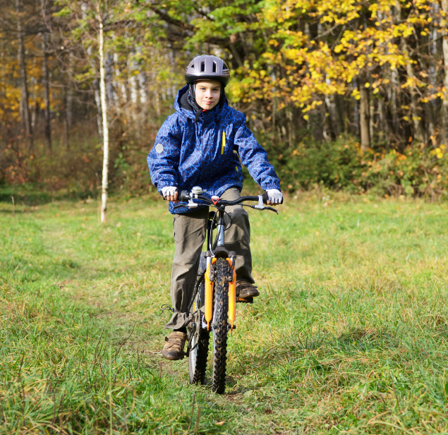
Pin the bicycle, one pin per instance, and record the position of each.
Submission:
(214, 296)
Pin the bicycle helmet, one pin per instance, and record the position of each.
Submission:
(208, 68)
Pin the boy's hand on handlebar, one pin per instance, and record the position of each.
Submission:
(274, 197)
(170, 193)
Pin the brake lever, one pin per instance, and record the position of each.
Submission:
(259, 208)
(271, 209)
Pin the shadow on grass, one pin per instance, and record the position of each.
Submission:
(38, 195)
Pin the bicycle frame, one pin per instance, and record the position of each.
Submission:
(209, 278)
(220, 249)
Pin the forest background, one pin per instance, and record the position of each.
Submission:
(352, 95)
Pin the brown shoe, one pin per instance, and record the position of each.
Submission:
(174, 346)
(246, 290)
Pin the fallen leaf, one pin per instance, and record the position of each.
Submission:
(220, 423)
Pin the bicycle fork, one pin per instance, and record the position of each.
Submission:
(208, 296)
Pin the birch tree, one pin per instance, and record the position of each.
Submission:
(91, 19)
(105, 178)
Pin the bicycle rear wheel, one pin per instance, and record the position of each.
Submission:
(220, 325)
(197, 358)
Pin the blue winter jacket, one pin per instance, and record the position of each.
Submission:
(205, 153)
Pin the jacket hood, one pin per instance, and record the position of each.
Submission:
(184, 108)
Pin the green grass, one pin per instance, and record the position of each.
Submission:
(349, 334)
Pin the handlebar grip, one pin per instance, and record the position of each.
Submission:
(184, 196)
(266, 198)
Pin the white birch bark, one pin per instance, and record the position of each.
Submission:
(105, 181)
(99, 116)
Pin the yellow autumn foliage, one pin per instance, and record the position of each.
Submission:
(366, 39)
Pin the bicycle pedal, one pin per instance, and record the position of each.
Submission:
(248, 300)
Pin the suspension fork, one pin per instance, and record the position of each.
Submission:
(209, 275)
(208, 297)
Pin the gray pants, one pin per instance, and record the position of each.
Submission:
(189, 232)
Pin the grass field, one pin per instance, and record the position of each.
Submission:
(349, 334)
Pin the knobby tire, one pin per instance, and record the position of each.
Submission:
(197, 360)
(220, 325)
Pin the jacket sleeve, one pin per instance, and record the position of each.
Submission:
(163, 159)
(255, 158)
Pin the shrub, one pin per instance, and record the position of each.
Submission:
(342, 165)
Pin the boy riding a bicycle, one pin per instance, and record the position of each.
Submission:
(203, 144)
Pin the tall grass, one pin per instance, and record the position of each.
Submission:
(349, 334)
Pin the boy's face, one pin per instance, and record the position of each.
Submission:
(208, 93)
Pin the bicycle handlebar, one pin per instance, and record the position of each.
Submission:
(185, 196)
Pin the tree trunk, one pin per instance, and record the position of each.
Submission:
(105, 182)
(234, 52)
(329, 124)
(419, 132)
(353, 119)
(157, 102)
(69, 102)
(97, 93)
(445, 79)
(432, 121)
(394, 106)
(340, 113)
(68, 115)
(364, 114)
(47, 93)
(24, 95)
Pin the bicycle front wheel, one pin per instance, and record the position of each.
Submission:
(197, 358)
(220, 325)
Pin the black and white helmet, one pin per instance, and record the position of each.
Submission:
(208, 68)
